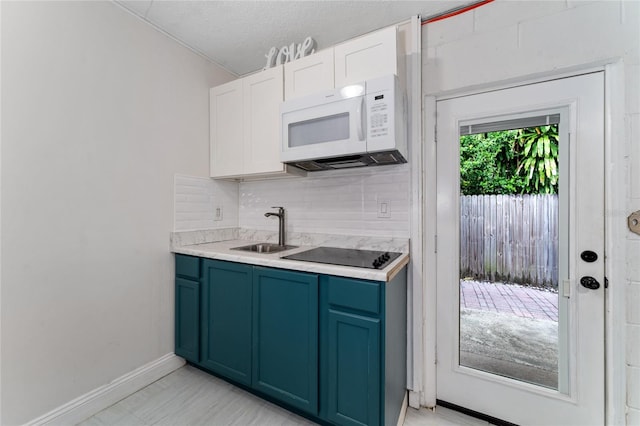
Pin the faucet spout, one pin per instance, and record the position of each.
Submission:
(280, 216)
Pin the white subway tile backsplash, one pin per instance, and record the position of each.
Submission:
(195, 201)
(331, 202)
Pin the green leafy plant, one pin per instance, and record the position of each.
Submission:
(522, 161)
(540, 159)
(488, 162)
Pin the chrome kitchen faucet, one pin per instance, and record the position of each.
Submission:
(280, 216)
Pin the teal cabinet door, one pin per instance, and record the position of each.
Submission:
(285, 336)
(187, 318)
(354, 369)
(226, 319)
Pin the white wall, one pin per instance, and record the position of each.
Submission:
(333, 202)
(507, 41)
(99, 111)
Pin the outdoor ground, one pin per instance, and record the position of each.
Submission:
(510, 330)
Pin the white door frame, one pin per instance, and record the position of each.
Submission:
(615, 234)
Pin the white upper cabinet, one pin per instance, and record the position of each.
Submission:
(245, 127)
(262, 97)
(372, 55)
(309, 74)
(226, 129)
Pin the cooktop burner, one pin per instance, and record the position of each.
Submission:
(346, 257)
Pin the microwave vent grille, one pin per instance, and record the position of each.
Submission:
(387, 158)
(310, 166)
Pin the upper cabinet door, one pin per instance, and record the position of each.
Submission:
(369, 56)
(308, 75)
(226, 131)
(263, 93)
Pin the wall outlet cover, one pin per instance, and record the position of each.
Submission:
(217, 213)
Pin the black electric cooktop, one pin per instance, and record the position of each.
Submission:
(346, 257)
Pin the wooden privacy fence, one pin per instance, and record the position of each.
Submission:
(510, 238)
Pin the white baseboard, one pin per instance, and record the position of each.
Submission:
(403, 411)
(105, 396)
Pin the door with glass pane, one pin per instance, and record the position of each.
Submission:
(520, 249)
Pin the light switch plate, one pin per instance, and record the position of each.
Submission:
(634, 222)
(384, 208)
(217, 213)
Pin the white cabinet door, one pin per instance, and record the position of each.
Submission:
(226, 132)
(309, 75)
(263, 93)
(369, 56)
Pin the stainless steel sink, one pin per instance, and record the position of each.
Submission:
(264, 248)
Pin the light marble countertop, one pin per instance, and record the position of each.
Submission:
(221, 250)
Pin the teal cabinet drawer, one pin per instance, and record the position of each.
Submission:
(354, 294)
(188, 266)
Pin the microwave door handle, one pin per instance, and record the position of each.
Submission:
(360, 118)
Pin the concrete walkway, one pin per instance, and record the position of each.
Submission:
(525, 302)
(510, 330)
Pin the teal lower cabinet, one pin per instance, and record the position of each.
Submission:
(363, 340)
(353, 348)
(226, 319)
(285, 336)
(330, 348)
(186, 324)
(187, 307)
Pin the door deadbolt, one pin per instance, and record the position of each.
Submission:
(589, 256)
(590, 283)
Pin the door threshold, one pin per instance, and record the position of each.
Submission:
(477, 415)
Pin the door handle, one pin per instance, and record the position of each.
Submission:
(590, 283)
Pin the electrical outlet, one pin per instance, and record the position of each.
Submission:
(384, 208)
(217, 213)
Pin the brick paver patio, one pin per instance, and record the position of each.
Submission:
(526, 302)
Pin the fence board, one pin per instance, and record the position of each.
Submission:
(510, 238)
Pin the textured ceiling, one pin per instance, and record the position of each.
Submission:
(238, 34)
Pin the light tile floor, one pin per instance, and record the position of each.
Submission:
(190, 397)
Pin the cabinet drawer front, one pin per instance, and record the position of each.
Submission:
(355, 294)
(188, 266)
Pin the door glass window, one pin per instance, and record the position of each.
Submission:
(509, 251)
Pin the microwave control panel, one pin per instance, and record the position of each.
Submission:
(380, 120)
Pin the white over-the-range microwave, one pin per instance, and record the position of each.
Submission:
(358, 125)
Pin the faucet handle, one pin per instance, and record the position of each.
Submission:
(277, 207)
